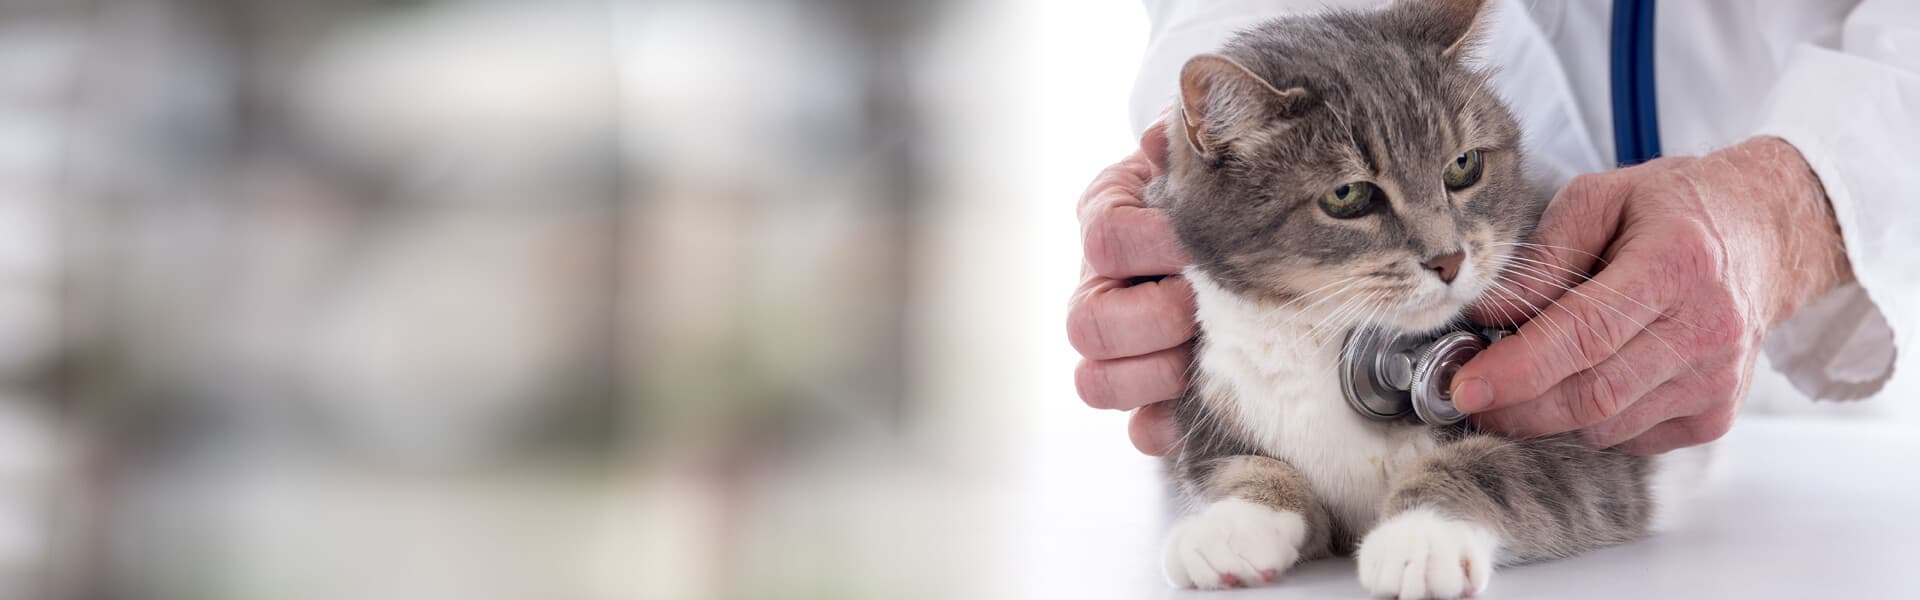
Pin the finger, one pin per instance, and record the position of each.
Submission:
(1153, 146)
(1679, 433)
(1109, 319)
(1125, 241)
(1130, 174)
(1121, 237)
(1574, 232)
(1153, 429)
(1582, 329)
(1593, 396)
(1665, 403)
(1132, 382)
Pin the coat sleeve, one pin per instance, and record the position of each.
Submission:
(1852, 108)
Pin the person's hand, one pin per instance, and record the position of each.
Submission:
(1132, 333)
(1696, 259)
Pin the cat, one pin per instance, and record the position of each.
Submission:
(1348, 169)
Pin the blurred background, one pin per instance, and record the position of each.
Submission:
(561, 299)
(557, 299)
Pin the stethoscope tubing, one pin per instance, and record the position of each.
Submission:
(1636, 114)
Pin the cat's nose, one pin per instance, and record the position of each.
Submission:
(1445, 265)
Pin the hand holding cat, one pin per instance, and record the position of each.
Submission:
(1702, 256)
(1133, 337)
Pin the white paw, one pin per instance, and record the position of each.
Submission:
(1421, 554)
(1233, 543)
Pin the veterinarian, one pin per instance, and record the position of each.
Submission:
(1741, 179)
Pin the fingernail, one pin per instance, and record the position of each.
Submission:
(1472, 395)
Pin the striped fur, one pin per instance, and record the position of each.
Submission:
(1274, 466)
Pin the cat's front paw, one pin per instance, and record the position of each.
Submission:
(1233, 543)
(1422, 554)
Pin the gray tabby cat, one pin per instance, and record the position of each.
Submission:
(1335, 171)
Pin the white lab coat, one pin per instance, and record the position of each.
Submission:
(1840, 80)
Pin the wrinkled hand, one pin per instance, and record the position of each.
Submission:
(1133, 337)
(1655, 352)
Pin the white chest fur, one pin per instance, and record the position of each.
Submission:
(1276, 378)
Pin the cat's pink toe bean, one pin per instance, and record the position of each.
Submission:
(1269, 574)
(1229, 580)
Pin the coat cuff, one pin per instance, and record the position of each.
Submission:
(1851, 119)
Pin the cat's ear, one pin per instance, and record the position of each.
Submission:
(1220, 99)
(1452, 25)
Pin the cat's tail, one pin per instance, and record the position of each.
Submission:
(1676, 482)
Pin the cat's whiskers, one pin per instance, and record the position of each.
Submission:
(1372, 320)
(1312, 332)
(1352, 303)
(1575, 349)
(1535, 274)
(1584, 279)
(1501, 288)
(1350, 279)
(1552, 330)
(1539, 246)
(1541, 278)
(1339, 321)
(1567, 339)
(1350, 282)
(1348, 320)
(1377, 310)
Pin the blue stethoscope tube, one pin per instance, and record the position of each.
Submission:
(1636, 118)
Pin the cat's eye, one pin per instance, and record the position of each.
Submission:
(1463, 171)
(1348, 201)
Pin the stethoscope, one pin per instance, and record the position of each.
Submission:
(1389, 376)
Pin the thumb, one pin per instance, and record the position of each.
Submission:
(1154, 430)
(1153, 145)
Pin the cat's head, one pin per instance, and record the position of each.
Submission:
(1349, 159)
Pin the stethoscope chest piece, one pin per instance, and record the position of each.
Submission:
(1387, 376)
